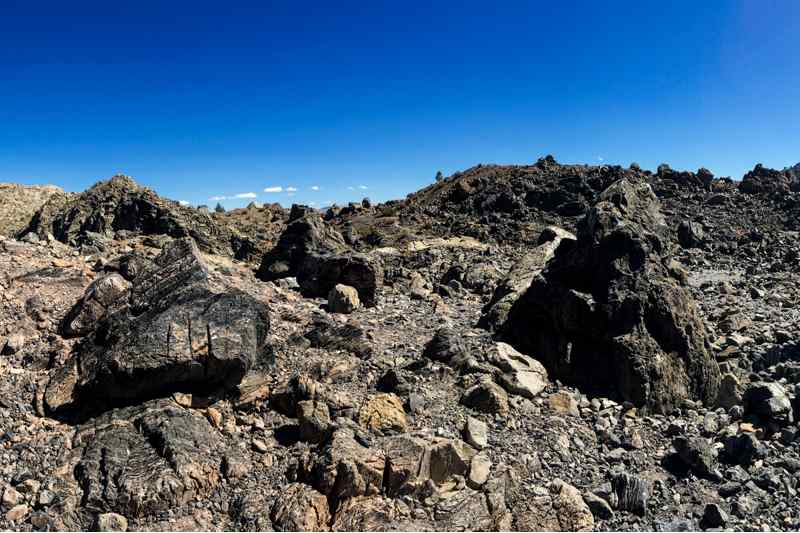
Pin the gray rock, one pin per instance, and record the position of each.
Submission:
(343, 299)
(632, 493)
(768, 401)
(713, 516)
(476, 433)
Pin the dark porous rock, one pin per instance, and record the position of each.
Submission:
(177, 335)
(769, 402)
(713, 516)
(632, 493)
(744, 449)
(141, 460)
(300, 508)
(608, 315)
(698, 455)
(690, 234)
(486, 397)
(306, 234)
(318, 274)
(763, 180)
(519, 278)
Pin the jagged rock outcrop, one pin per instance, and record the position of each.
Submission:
(103, 294)
(150, 458)
(305, 234)
(763, 180)
(608, 315)
(121, 205)
(519, 278)
(319, 274)
(175, 333)
(20, 203)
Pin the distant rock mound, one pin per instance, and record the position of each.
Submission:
(607, 313)
(20, 202)
(763, 180)
(120, 205)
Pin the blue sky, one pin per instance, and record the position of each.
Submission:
(207, 99)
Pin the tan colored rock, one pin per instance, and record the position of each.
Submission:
(301, 508)
(573, 513)
(383, 413)
(479, 470)
(11, 497)
(343, 299)
(563, 403)
(17, 513)
(111, 522)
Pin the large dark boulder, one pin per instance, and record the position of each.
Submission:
(305, 234)
(519, 278)
(176, 333)
(609, 314)
(319, 273)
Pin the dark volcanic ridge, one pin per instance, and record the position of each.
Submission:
(539, 347)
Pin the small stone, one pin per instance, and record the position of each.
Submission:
(713, 516)
(11, 497)
(17, 513)
(260, 446)
(111, 522)
(343, 299)
(486, 396)
(479, 470)
(14, 343)
(476, 433)
(599, 507)
(214, 416)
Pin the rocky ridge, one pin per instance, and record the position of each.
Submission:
(390, 372)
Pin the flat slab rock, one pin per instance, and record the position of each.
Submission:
(140, 460)
(176, 334)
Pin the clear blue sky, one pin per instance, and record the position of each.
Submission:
(201, 99)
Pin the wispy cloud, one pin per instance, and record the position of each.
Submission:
(315, 187)
(600, 158)
(218, 198)
(362, 187)
(312, 203)
(351, 188)
(276, 188)
(183, 202)
(245, 195)
(291, 189)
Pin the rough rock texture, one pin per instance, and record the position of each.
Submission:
(343, 299)
(111, 208)
(319, 274)
(144, 459)
(176, 334)
(519, 278)
(607, 314)
(305, 234)
(20, 203)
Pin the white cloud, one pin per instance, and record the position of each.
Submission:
(245, 195)
(289, 194)
(599, 158)
(183, 202)
(312, 203)
(315, 187)
(291, 189)
(217, 198)
(277, 188)
(351, 188)
(362, 187)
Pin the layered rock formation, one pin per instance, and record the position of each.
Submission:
(608, 313)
